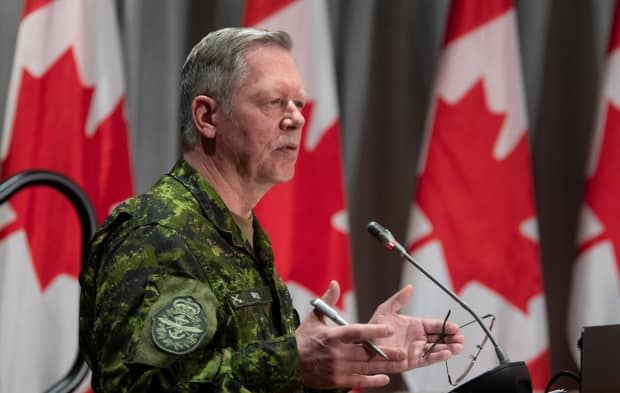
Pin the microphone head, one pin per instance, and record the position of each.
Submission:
(383, 235)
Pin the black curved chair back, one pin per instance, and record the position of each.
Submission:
(88, 223)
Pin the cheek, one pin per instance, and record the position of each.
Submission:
(256, 137)
(265, 140)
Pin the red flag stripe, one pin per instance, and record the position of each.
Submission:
(32, 5)
(467, 15)
(614, 39)
(259, 10)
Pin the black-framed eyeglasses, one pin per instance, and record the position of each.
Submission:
(473, 357)
(440, 339)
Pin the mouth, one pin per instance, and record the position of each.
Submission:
(288, 148)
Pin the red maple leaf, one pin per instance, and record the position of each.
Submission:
(49, 134)
(297, 215)
(603, 188)
(476, 203)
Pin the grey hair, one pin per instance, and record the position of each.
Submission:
(216, 67)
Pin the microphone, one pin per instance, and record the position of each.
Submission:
(387, 239)
(508, 376)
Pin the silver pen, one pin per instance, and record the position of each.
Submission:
(334, 316)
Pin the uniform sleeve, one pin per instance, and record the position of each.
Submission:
(155, 326)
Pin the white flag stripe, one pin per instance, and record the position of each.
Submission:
(529, 229)
(589, 225)
(39, 330)
(340, 221)
(7, 215)
(595, 295)
(418, 225)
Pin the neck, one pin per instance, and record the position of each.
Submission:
(239, 195)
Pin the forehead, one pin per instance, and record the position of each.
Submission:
(273, 65)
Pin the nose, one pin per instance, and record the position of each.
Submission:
(293, 118)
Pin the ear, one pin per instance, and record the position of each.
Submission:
(204, 109)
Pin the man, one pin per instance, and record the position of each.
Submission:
(180, 292)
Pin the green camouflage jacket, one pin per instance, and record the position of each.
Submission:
(174, 299)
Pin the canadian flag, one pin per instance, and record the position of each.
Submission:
(595, 292)
(306, 217)
(65, 113)
(473, 221)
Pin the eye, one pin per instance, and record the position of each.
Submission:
(276, 102)
(299, 104)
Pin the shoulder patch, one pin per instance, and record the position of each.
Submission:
(179, 326)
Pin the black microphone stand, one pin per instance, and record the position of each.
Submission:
(508, 377)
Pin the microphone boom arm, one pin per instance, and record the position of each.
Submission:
(387, 239)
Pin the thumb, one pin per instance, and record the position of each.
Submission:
(332, 294)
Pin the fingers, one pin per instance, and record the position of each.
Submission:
(446, 339)
(336, 358)
(364, 381)
(330, 297)
(332, 294)
(355, 333)
(326, 372)
(351, 337)
(358, 353)
(435, 326)
(453, 348)
(439, 354)
(433, 352)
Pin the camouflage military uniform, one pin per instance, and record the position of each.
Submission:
(175, 299)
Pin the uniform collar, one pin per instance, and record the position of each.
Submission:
(216, 211)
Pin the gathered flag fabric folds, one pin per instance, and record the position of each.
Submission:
(473, 220)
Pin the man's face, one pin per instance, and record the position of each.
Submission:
(261, 137)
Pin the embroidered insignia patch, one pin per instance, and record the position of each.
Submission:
(179, 327)
(247, 297)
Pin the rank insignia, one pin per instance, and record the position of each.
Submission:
(179, 327)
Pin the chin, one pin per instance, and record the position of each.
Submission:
(284, 176)
(277, 174)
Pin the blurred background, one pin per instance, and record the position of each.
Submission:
(385, 55)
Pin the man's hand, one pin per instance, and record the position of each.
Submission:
(416, 335)
(332, 356)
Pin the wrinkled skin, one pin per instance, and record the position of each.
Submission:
(332, 356)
